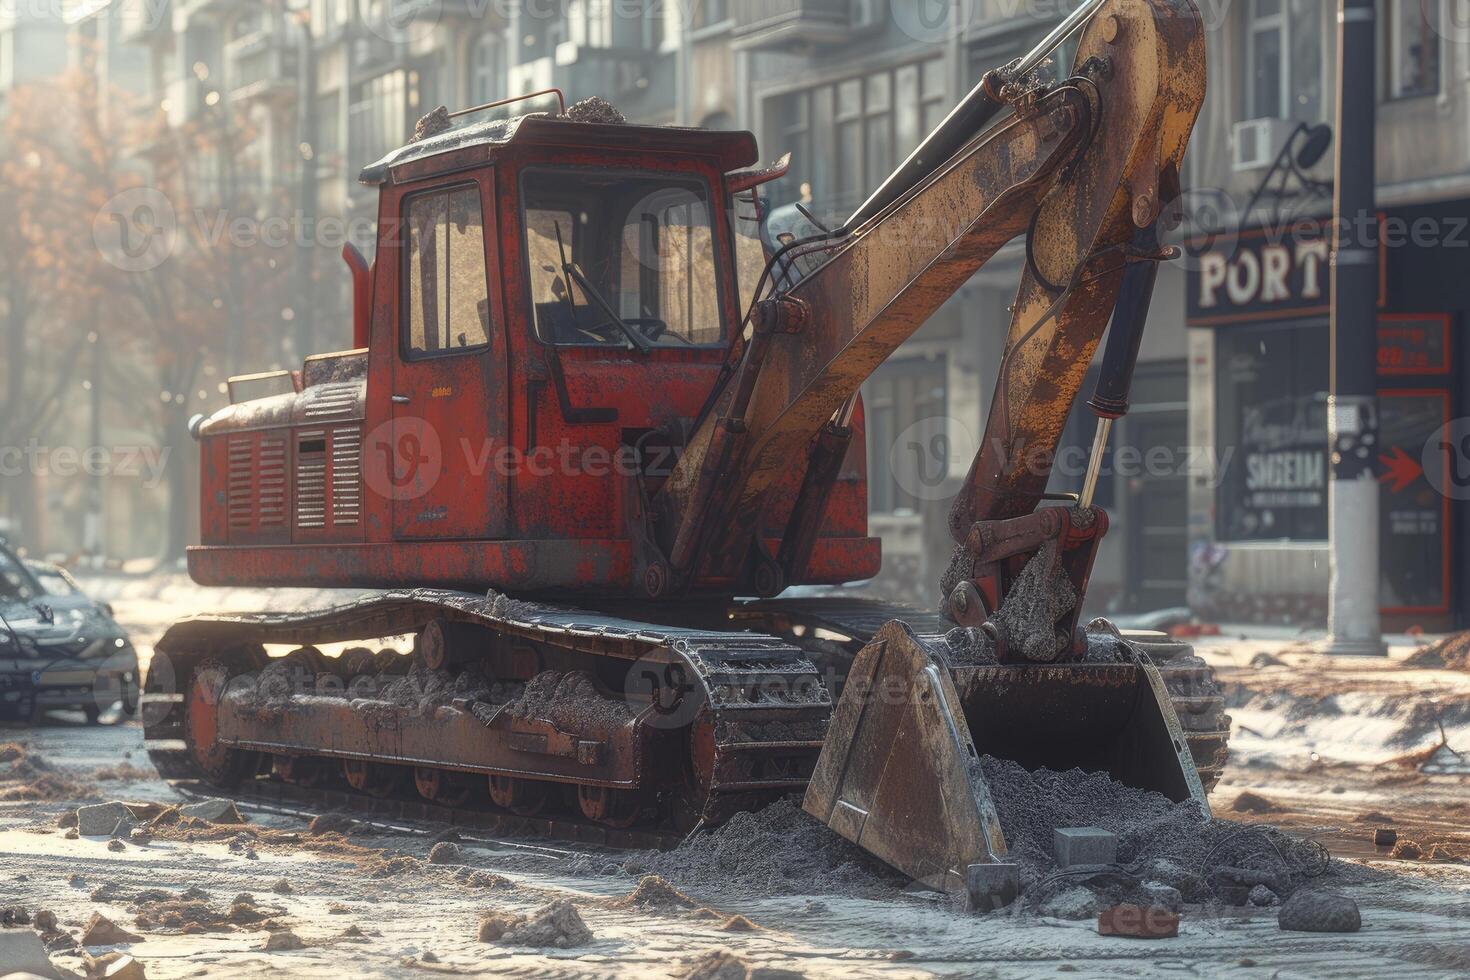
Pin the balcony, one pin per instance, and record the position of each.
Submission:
(261, 66)
(777, 24)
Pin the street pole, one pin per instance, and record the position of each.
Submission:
(1353, 625)
(308, 148)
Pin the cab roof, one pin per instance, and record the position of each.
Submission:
(730, 150)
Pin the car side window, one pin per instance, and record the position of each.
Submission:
(448, 294)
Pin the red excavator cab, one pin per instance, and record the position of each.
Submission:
(552, 306)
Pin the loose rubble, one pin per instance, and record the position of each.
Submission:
(558, 925)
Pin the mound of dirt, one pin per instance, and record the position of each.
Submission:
(557, 925)
(721, 964)
(191, 912)
(595, 109)
(779, 851)
(654, 892)
(29, 776)
(1450, 653)
(1249, 802)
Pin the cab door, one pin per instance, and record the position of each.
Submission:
(449, 373)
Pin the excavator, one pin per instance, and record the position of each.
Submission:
(573, 463)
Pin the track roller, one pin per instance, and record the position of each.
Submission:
(372, 778)
(523, 797)
(301, 770)
(441, 786)
(619, 808)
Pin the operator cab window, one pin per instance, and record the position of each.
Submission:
(621, 260)
(448, 294)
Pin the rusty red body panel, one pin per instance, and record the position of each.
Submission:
(498, 467)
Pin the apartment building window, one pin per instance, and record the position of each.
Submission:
(1412, 39)
(589, 23)
(487, 68)
(379, 115)
(1284, 59)
(845, 137)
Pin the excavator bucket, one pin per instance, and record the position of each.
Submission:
(900, 772)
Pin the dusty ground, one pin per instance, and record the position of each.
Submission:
(1316, 740)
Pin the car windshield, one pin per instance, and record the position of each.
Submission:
(55, 582)
(640, 247)
(16, 584)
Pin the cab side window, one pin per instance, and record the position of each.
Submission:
(448, 295)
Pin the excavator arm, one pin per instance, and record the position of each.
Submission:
(1087, 169)
(1082, 168)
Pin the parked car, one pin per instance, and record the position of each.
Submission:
(58, 648)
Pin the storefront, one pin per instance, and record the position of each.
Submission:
(1260, 351)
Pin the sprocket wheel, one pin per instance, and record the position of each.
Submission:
(217, 762)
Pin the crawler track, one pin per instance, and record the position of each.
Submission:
(721, 715)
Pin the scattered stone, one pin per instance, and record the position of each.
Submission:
(116, 845)
(337, 908)
(331, 823)
(1407, 850)
(429, 957)
(654, 892)
(14, 916)
(558, 924)
(72, 834)
(1266, 659)
(1075, 846)
(66, 820)
(102, 931)
(353, 932)
(103, 819)
(1138, 922)
(21, 951)
(283, 939)
(444, 852)
(45, 921)
(738, 923)
(1315, 910)
(214, 810)
(1263, 897)
(282, 887)
(77, 881)
(140, 836)
(124, 968)
(1374, 816)
(1385, 837)
(1249, 802)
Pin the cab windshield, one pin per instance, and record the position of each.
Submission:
(624, 260)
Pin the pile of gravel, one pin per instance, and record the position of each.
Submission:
(779, 851)
(1159, 841)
